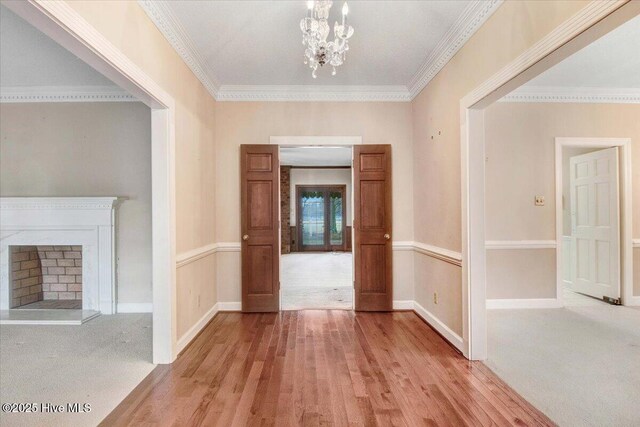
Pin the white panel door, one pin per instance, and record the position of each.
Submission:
(595, 230)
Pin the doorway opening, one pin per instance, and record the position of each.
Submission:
(593, 183)
(558, 224)
(316, 218)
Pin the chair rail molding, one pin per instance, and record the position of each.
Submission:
(520, 244)
(442, 254)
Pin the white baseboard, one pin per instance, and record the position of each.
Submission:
(135, 307)
(230, 306)
(437, 324)
(634, 301)
(403, 305)
(496, 304)
(193, 331)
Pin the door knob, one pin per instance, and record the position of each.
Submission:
(245, 237)
(387, 236)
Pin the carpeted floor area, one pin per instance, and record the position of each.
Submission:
(99, 363)
(579, 365)
(317, 281)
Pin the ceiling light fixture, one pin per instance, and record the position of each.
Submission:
(315, 30)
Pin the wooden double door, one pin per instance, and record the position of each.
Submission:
(260, 228)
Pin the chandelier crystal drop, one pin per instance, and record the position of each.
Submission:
(315, 30)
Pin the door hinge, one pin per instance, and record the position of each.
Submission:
(612, 301)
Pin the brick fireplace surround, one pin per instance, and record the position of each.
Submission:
(45, 273)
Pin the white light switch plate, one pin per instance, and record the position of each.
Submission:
(539, 200)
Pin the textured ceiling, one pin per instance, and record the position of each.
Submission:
(315, 156)
(613, 61)
(259, 42)
(30, 58)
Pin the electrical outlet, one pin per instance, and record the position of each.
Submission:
(539, 200)
(435, 297)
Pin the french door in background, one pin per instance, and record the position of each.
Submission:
(321, 217)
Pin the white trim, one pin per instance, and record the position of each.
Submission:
(442, 254)
(68, 28)
(14, 95)
(84, 221)
(461, 31)
(304, 141)
(573, 34)
(78, 322)
(229, 246)
(403, 246)
(403, 305)
(58, 203)
(520, 244)
(439, 326)
(574, 95)
(170, 27)
(135, 307)
(626, 213)
(522, 68)
(195, 254)
(230, 306)
(636, 243)
(308, 93)
(184, 340)
(506, 304)
(466, 25)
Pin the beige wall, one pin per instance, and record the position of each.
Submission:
(87, 149)
(254, 122)
(320, 177)
(126, 25)
(436, 112)
(520, 151)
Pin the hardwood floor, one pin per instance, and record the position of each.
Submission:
(322, 368)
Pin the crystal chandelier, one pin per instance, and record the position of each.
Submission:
(315, 30)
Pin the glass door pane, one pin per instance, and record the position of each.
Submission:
(312, 218)
(335, 218)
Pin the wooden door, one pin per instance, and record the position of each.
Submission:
(260, 191)
(595, 231)
(372, 224)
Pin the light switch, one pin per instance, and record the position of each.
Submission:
(539, 200)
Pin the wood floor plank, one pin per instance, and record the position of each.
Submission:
(319, 368)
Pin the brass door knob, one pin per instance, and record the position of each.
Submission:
(245, 237)
(387, 236)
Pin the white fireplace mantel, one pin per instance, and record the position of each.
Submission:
(86, 221)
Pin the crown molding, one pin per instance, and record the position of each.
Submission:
(584, 95)
(314, 93)
(467, 24)
(175, 34)
(15, 95)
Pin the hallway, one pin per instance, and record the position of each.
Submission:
(322, 280)
(321, 367)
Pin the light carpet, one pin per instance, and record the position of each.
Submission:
(99, 363)
(579, 365)
(317, 281)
